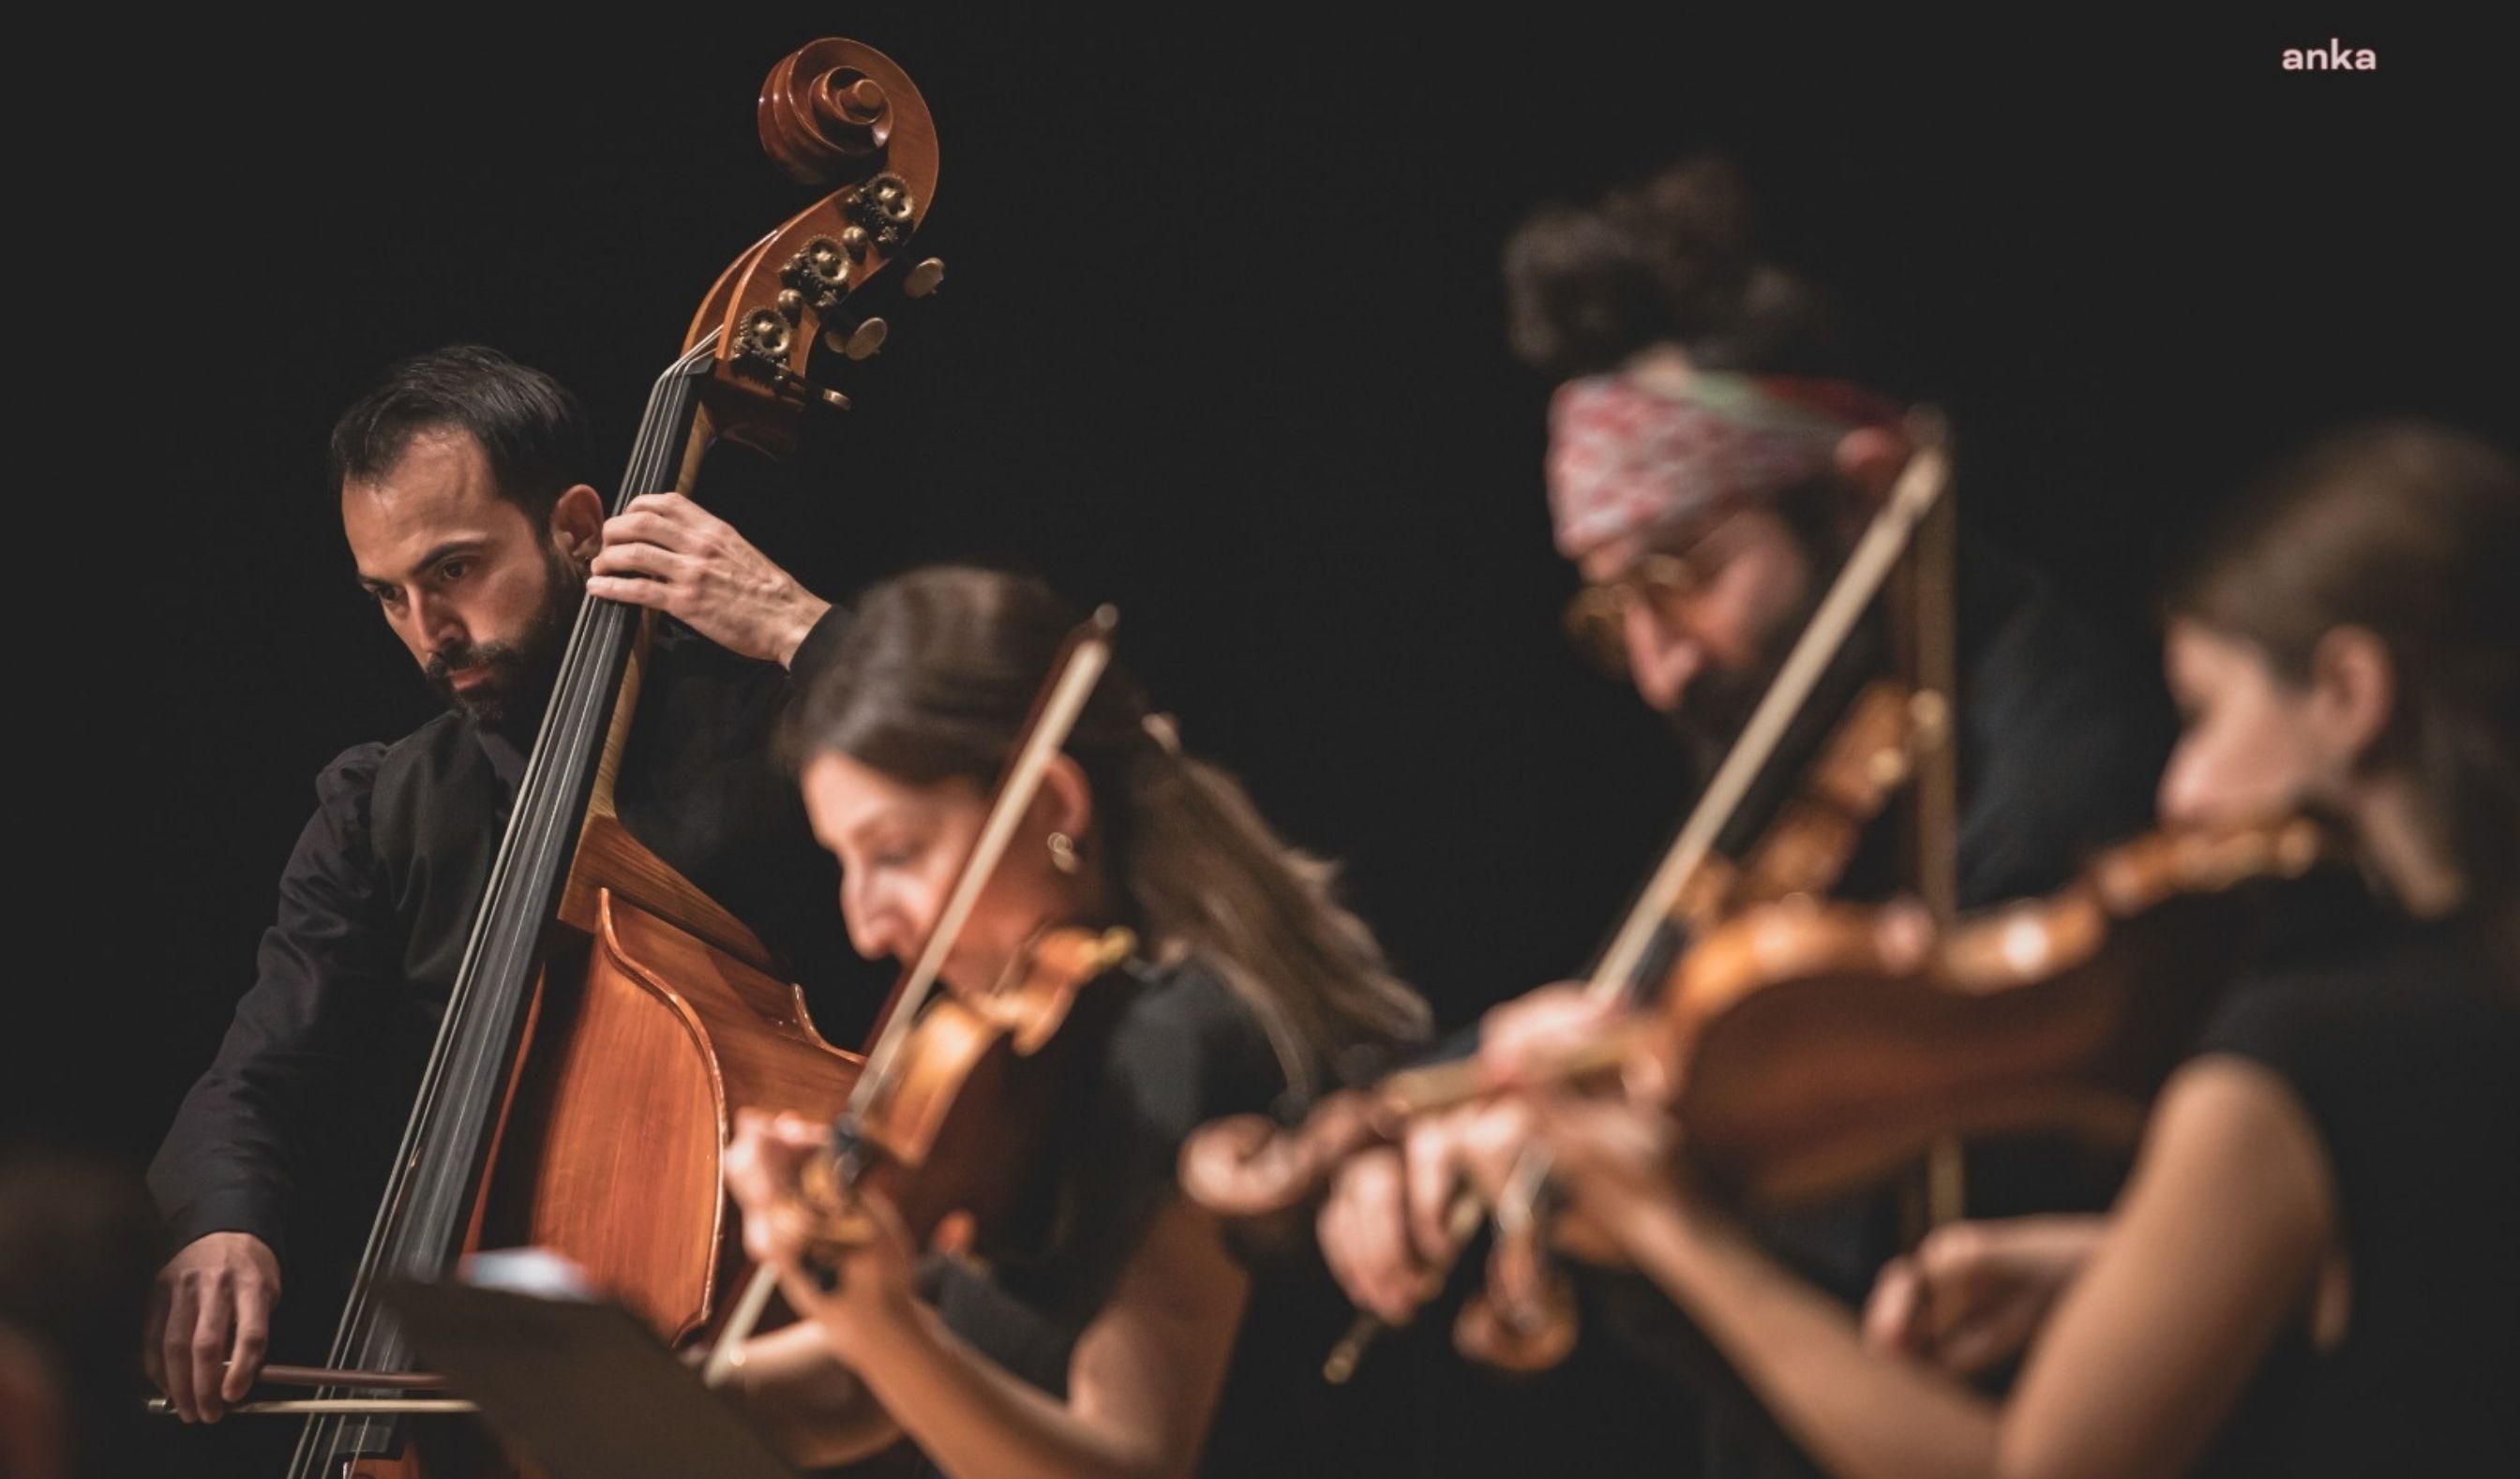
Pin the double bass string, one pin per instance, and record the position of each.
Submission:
(405, 1237)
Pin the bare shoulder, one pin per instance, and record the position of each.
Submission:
(2212, 1249)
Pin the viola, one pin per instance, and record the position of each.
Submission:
(953, 1134)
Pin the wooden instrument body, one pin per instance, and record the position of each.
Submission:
(624, 1012)
(639, 1049)
(1812, 1049)
(644, 1038)
(954, 1135)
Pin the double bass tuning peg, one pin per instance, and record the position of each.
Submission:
(806, 390)
(860, 342)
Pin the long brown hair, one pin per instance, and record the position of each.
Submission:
(934, 679)
(2411, 531)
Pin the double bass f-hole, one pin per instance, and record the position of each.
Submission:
(552, 1047)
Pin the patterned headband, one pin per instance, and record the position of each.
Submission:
(1624, 459)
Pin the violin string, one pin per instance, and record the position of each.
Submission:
(1921, 485)
(1088, 654)
(1075, 686)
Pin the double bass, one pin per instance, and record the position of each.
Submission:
(608, 1014)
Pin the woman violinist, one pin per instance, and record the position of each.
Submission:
(2310, 1269)
(1104, 1348)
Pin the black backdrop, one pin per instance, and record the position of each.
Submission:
(1221, 342)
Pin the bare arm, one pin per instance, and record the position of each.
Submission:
(1142, 1383)
(2213, 1246)
(806, 1403)
(1142, 1380)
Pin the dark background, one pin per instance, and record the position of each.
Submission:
(1221, 342)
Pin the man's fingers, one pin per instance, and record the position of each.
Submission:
(655, 595)
(671, 507)
(1339, 1254)
(641, 527)
(175, 1354)
(253, 1338)
(1492, 1143)
(1430, 1171)
(153, 1336)
(1520, 1033)
(649, 561)
(1363, 1242)
(214, 1318)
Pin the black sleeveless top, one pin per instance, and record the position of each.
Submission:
(1183, 1050)
(2402, 1041)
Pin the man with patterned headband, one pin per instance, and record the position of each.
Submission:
(1709, 468)
(1705, 511)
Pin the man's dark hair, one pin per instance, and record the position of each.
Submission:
(1670, 260)
(527, 425)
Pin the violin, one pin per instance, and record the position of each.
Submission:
(947, 1117)
(1811, 1049)
(1247, 1166)
(1888, 734)
(952, 1136)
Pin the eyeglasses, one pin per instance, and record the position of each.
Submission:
(1663, 579)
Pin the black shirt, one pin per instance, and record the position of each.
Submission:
(2062, 729)
(2404, 1047)
(311, 1086)
(1184, 1050)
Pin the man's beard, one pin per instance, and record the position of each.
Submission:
(1718, 702)
(522, 671)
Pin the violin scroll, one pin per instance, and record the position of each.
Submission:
(1247, 1166)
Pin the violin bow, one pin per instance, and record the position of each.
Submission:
(1919, 489)
(1081, 665)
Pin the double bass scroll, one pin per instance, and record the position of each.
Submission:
(608, 1014)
